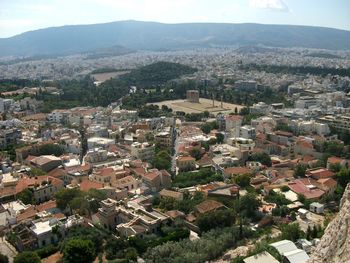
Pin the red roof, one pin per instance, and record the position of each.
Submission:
(237, 170)
(46, 206)
(320, 173)
(26, 182)
(86, 185)
(306, 188)
(334, 160)
(108, 171)
(57, 173)
(233, 117)
(186, 159)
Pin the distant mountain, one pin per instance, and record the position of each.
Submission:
(136, 35)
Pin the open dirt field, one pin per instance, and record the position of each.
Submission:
(203, 105)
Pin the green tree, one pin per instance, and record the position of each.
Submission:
(79, 250)
(51, 149)
(162, 160)
(248, 204)
(291, 232)
(263, 158)
(220, 137)
(4, 259)
(65, 196)
(26, 196)
(243, 180)
(206, 128)
(343, 177)
(220, 218)
(27, 257)
(299, 170)
(196, 153)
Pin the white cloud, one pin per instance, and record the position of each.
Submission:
(276, 5)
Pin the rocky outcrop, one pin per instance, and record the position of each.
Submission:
(334, 246)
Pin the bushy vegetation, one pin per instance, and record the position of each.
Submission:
(277, 198)
(26, 196)
(79, 250)
(51, 149)
(157, 73)
(162, 160)
(263, 158)
(202, 176)
(211, 245)
(27, 257)
(186, 205)
(216, 219)
(47, 251)
(81, 202)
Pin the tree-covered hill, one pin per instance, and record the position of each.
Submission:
(156, 74)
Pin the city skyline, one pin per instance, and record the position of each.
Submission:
(20, 16)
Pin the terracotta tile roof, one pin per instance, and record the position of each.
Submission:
(175, 214)
(151, 175)
(329, 182)
(26, 182)
(334, 160)
(186, 159)
(284, 133)
(139, 171)
(165, 173)
(233, 117)
(27, 214)
(86, 185)
(208, 206)
(169, 193)
(57, 173)
(320, 173)
(59, 215)
(237, 170)
(125, 180)
(306, 187)
(46, 206)
(30, 157)
(107, 171)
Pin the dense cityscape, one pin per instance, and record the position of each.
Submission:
(159, 131)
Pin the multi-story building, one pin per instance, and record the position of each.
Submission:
(6, 105)
(96, 142)
(58, 116)
(9, 137)
(249, 85)
(96, 155)
(164, 139)
(233, 124)
(186, 163)
(339, 122)
(143, 151)
(131, 218)
(247, 132)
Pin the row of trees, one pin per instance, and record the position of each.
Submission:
(203, 176)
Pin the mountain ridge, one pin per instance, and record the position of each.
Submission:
(138, 35)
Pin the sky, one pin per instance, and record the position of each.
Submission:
(17, 16)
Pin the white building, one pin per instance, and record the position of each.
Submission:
(233, 123)
(143, 151)
(247, 132)
(99, 142)
(260, 108)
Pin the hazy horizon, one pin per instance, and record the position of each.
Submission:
(20, 16)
